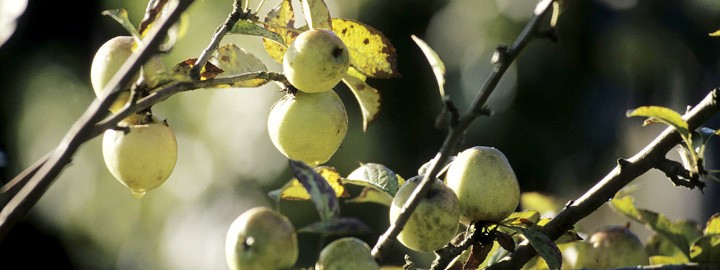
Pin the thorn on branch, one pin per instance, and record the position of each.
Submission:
(679, 175)
(623, 163)
(499, 56)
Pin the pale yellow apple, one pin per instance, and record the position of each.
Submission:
(144, 157)
(308, 127)
(435, 220)
(347, 253)
(108, 60)
(612, 247)
(261, 239)
(316, 61)
(484, 183)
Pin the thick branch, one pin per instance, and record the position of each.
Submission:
(30, 193)
(619, 177)
(506, 57)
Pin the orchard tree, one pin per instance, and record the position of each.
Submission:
(463, 205)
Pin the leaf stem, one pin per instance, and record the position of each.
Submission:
(507, 56)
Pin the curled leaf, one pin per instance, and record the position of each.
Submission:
(367, 96)
(663, 115)
(321, 193)
(438, 67)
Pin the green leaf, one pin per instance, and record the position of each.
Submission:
(367, 97)
(280, 20)
(706, 250)
(336, 226)
(234, 60)
(713, 225)
(321, 193)
(681, 233)
(546, 248)
(438, 67)
(370, 51)
(369, 194)
(376, 176)
(539, 202)
(665, 116)
(121, 16)
(658, 245)
(522, 219)
(248, 27)
(316, 14)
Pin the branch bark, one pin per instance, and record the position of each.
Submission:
(625, 172)
(502, 60)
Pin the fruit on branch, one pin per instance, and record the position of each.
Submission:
(484, 183)
(261, 238)
(612, 247)
(308, 127)
(435, 220)
(108, 60)
(316, 61)
(141, 154)
(347, 253)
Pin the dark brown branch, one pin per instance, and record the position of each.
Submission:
(30, 193)
(624, 173)
(507, 56)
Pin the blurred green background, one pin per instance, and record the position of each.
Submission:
(559, 116)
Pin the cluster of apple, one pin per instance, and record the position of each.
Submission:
(141, 153)
(310, 124)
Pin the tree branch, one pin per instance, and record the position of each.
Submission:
(504, 59)
(237, 13)
(32, 191)
(625, 172)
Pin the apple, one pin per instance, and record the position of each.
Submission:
(143, 155)
(308, 127)
(316, 61)
(484, 183)
(260, 239)
(435, 220)
(108, 60)
(348, 253)
(612, 247)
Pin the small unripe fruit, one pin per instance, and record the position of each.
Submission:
(316, 61)
(435, 220)
(108, 60)
(144, 157)
(485, 184)
(308, 127)
(612, 247)
(261, 239)
(347, 253)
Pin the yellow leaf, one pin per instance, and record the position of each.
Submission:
(661, 260)
(715, 34)
(234, 61)
(369, 194)
(316, 14)
(368, 98)
(280, 20)
(294, 190)
(370, 51)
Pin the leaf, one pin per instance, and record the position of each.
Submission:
(546, 248)
(706, 250)
(322, 195)
(506, 241)
(294, 190)
(663, 260)
(370, 51)
(715, 34)
(524, 218)
(153, 13)
(438, 67)
(336, 226)
(280, 20)
(680, 233)
(316, 14)
(367, 97)
(658, 245)
(713, 225)
(375, 175)
(369, 194)
(182, 69)
(234, 61)
(663, 115)
(248, 27)
(478, 253)
(121, 16)
(539, 202)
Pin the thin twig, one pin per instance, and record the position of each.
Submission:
(456, 133)
(31, 192)
(237, 13)
(625, 172)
